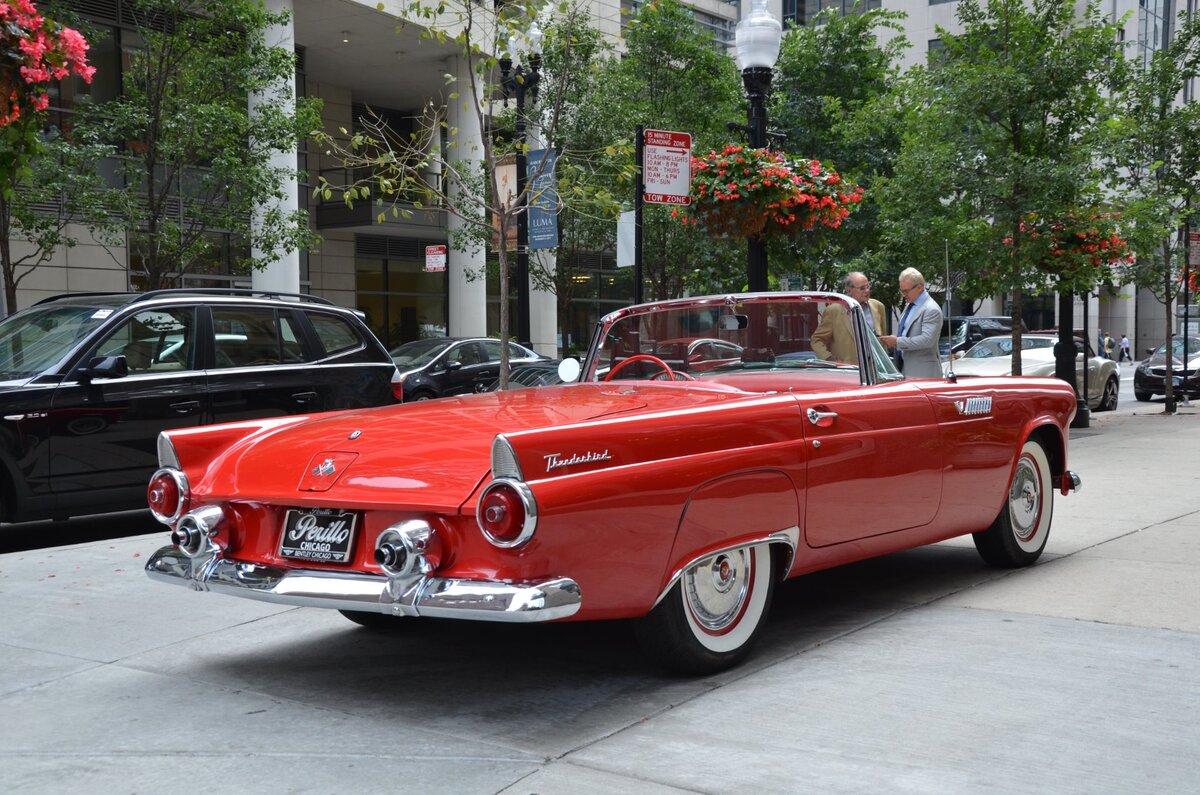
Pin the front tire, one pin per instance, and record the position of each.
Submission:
(711, 617)
(1142, 397)
(1019, 533)
(1111, 394)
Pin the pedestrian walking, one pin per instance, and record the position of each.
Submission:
(1126, 354)
(1110, 346)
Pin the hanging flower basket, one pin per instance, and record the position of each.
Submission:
(742, 192)
(34, 52)
(1077, 244)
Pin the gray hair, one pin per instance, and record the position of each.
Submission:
(848, 282)
(912, 276)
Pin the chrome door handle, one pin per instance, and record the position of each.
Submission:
(186, 407)
(303, 397)
(822, 419)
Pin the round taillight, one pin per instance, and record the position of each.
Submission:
(507, 514)
(167, 495)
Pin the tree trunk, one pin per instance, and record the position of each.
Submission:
(1168, 294)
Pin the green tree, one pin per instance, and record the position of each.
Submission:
(43, 204)
(414, 170)
(833, 76)
(671, 76)
(35, 52)
(1008, 122)
(196, 160)
(1156, 156)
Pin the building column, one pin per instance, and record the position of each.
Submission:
(282, 273)
(467, 261)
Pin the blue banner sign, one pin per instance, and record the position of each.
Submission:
(543, 199)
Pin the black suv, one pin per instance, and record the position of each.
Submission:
(960, 333)
(88, 381)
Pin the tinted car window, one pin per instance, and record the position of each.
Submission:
(32, 340)
(469, 354)
(155, 340)
(250, 336)
(334, 332)
(418, 352)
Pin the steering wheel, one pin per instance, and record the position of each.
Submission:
(641, 357)
(676, 375)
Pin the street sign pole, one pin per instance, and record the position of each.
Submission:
(638, 201)
(664, 160)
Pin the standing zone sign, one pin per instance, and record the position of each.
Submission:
(666, 167)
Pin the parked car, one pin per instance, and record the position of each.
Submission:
(434, 368)
(1150, 377)
(626, 495)
(541, 373)
(993, 357)
(960, 333)
(88, 381)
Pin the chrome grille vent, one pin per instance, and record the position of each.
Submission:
(504, 460)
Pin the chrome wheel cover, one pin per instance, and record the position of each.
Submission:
(716, 589)
(1025, 500)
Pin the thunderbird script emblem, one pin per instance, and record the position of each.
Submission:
(324, 469)
(556, 460)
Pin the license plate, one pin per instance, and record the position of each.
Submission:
(324, 535)
(1177, 380)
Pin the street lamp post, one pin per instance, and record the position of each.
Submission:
(517, 82)
(757, 40)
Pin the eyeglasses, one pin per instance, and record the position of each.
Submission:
(907, 290)
(866, 286)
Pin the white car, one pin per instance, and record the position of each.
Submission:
(993, 356)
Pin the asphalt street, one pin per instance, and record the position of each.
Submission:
(924, 671)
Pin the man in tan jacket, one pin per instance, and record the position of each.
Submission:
(834, 337)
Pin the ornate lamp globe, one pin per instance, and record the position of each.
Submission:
(757, 38)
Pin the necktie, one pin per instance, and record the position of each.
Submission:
(904, 319)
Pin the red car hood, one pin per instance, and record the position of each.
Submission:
(422, 456)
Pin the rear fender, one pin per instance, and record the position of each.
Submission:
(194, 449)
(735, 511)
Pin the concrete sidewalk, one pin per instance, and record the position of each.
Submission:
(920, 672)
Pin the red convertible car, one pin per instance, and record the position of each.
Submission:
(639, 491)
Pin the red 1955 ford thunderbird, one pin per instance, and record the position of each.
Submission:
(676, 491)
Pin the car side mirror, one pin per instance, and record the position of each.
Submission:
(452, 366)
(105, 367)
(1149, 351)
(569, 370)
(959, 354)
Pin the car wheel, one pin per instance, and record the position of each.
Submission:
(1018, 535)
(711, 617)
(378, 622)
(422, 396)
(1142, 397)
(1111, 392)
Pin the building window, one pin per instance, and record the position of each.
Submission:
(402, 302)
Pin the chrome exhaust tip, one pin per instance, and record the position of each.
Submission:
(406, 549)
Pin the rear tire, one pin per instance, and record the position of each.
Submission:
(711, 617)
(376, 622)
(1019, 533)
(422, 396)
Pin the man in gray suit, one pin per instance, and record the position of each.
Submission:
(916, 338)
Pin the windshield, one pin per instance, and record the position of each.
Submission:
(1003, 346)
(418, 352)
(715, 337)
(1193, 347)
(33, 340)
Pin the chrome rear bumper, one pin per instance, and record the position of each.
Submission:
(1070, 482)
(479, 600)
